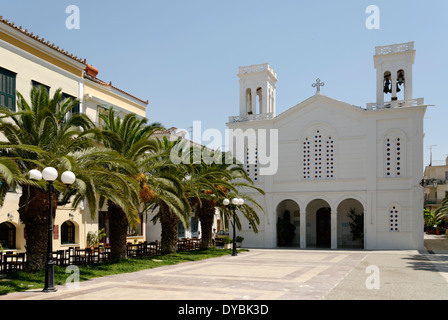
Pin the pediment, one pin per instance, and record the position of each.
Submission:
(319, 101)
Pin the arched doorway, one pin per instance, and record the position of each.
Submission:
(318, 224)
(8, 235)
(288, 223)
(351, 224)
(323, 227)
(68, 233)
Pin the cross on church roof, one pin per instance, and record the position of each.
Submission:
(317, 85)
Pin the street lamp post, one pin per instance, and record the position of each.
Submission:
(50, 174)
(235, 202)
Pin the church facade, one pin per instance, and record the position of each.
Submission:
(347, 177)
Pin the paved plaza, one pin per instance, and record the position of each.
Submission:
(281, 274)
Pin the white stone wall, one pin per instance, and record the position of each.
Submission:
(359, 173)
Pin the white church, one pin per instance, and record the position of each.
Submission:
(337, 161)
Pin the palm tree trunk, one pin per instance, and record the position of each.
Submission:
(169, 222)
(206, 214)
(33, 212)
(118, 228)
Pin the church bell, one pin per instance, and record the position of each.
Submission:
(400, 80)
(387, 87)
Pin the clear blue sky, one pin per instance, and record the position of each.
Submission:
(184, 55)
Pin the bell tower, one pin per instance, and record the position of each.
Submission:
(393, 65)
(257, 90)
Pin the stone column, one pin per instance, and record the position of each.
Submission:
(334, 229)
(303, 230)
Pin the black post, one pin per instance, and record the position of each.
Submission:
(49, 267)
(234, 233)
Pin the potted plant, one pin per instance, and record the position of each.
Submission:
(94, 238)
(239, 241)
(433, 219)
(228, 243)
(356, 225)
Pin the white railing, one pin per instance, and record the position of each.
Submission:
(394, 48)
(257, 68)
(252, 117)
(396, 104)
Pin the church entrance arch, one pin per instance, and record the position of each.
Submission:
(323, 227)
(318, 224)
(288, 224)
(351, 222)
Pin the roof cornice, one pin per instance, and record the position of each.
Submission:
(40, 44)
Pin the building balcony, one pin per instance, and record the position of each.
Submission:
(396, 104)
(433, 182)
(258, 68)
(252, 117)
(430, 201)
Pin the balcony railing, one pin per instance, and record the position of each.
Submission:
(430, 182)
(433, 201)
(257, 68)
(252, 117)
(395, 48)
(396, 104)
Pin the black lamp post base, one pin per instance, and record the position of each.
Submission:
(49, 290)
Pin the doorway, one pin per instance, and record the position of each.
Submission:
(323, 227)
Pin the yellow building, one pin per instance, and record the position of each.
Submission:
(436, 185)
(27, 60)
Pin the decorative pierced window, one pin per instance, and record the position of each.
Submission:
(318, 156)
(394, 219)
(251, 163)
(329, 148)
(306, 159)
(394, 153)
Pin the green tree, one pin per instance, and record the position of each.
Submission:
(166, 182)
(129, 136)
(45, 133)
(216, 177)
(443, 209)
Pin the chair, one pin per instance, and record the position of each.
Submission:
(62, 257)
(15, 262)
(81, 256)
(103, 254)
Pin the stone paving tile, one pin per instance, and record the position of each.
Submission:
(254, 275)
(276, 274)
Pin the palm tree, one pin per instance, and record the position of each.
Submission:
(443, 209)
(130, 137)
(44, 133)
(164, 182)
(10, 174)
(212, 182)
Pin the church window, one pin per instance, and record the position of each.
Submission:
(394, 218)
(318, 157)
(251, 163)
(393, 160)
